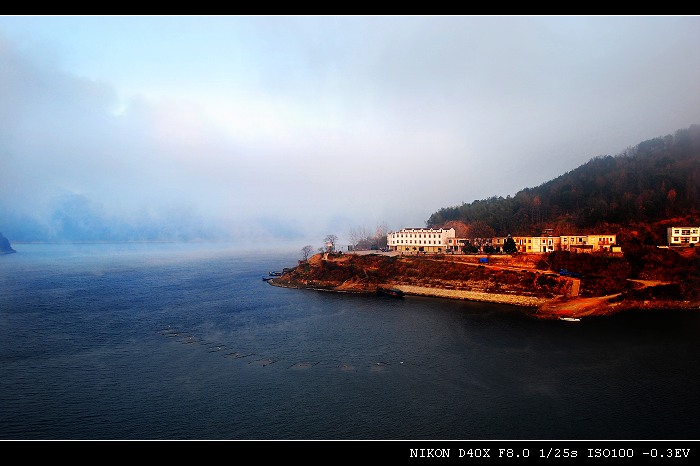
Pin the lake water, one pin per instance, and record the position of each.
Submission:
(186, 342)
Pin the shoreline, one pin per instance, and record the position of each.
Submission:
(532, 303)
(501, 298)
(413, 290)
(556, 308)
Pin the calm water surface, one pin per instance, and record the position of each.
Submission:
(187, 342)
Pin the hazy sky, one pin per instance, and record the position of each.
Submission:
(318, 124)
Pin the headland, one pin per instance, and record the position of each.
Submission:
(517, 280)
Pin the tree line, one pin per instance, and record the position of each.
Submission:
(655, 181)
(360, 238)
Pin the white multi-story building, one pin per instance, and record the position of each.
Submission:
(683, 236)
(415, 240)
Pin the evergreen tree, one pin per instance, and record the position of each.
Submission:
(509, 246)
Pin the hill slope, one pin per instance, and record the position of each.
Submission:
(5, 247)
(654, 182)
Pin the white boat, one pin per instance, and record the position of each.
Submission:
(570, 319)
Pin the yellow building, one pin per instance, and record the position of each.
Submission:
(601, 242)
(574, 243)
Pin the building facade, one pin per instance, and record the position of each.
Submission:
(444, 241)
(523, 243)
(543, 244)
(422, 240)
(683, 236)
(439, 240)
(601, 242)
(576, 243)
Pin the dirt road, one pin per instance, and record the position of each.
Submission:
(578, 307)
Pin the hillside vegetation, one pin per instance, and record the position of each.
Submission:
(635, 194)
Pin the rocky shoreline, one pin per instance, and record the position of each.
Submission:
(540, 308)
(501, 298)
(413, 290)
(541, 294)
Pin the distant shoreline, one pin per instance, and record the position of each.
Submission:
(5, 246)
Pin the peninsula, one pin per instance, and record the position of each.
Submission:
(524, 280)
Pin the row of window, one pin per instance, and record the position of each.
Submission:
(519, 241)
(418, 242)
(410, 238)
(685, 232)
(580, 240)
(685, 239)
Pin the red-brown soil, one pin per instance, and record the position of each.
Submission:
(505, 279)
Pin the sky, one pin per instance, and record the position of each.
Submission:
(303, 126)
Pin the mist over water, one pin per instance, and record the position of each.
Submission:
(173, 341)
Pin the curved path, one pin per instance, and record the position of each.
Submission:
(577, 307)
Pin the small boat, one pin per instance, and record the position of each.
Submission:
(393, 292)
(275, 274)
(570, 319)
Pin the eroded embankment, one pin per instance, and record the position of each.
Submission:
(540, 293)
(513, 299)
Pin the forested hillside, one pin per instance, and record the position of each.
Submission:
(643, 190)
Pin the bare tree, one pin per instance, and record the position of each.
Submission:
(361, 238)
(354, 237)
(330, 242)
(306, 252)
(380, 239)
(358, 237)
